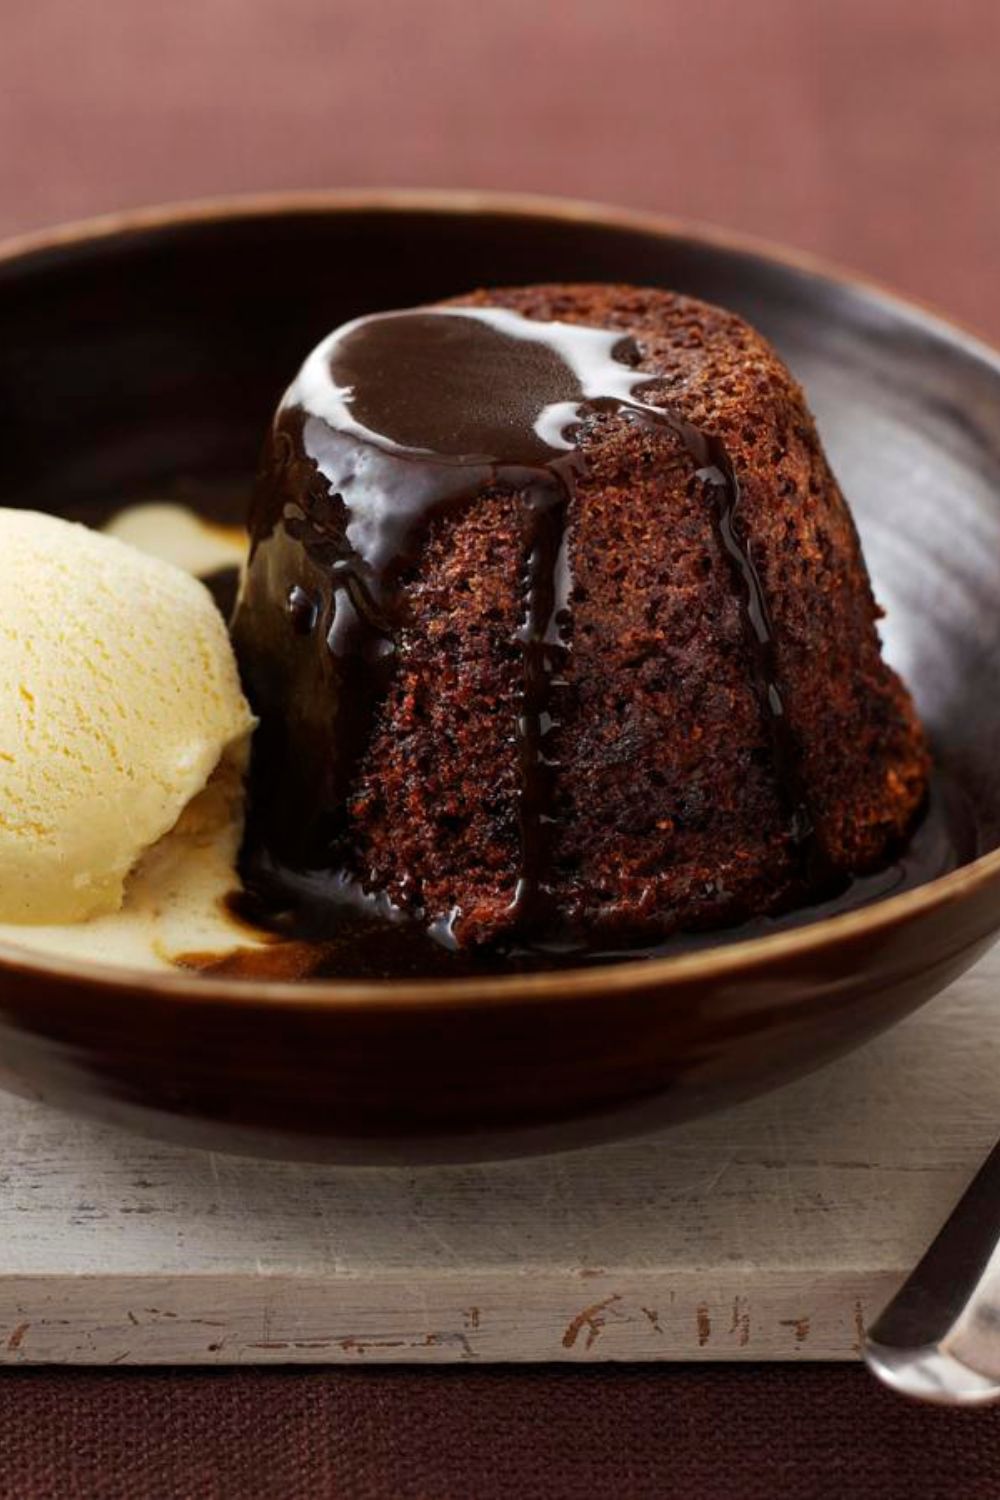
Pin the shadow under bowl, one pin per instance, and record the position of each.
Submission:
(142, 357)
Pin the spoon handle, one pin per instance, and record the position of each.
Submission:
(939, 1337)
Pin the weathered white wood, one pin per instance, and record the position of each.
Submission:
(770, 1232)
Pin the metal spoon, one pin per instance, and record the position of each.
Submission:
(939, 1337)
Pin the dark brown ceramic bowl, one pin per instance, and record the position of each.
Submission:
(143, 355)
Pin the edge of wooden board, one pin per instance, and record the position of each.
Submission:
(445, 1318)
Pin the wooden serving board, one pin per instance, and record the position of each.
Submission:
(774, 1231)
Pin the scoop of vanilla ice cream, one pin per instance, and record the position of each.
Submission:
(119, 697)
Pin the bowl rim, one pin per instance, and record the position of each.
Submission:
(630, 976)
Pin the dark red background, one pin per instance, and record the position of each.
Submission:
(867, 130)
(674, 1432)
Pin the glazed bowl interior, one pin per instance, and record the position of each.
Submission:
(142, 359)
(146, 363)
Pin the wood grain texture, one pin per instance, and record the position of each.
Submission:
(773, 1231)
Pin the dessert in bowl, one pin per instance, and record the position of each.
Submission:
(560, 635)
(545, 704)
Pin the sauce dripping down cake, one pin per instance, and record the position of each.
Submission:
(558, 629)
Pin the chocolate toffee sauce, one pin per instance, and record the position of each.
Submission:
(402, 416)
(223, 585)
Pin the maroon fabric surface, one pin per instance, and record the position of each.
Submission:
(697, 1432)
(867, 130)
